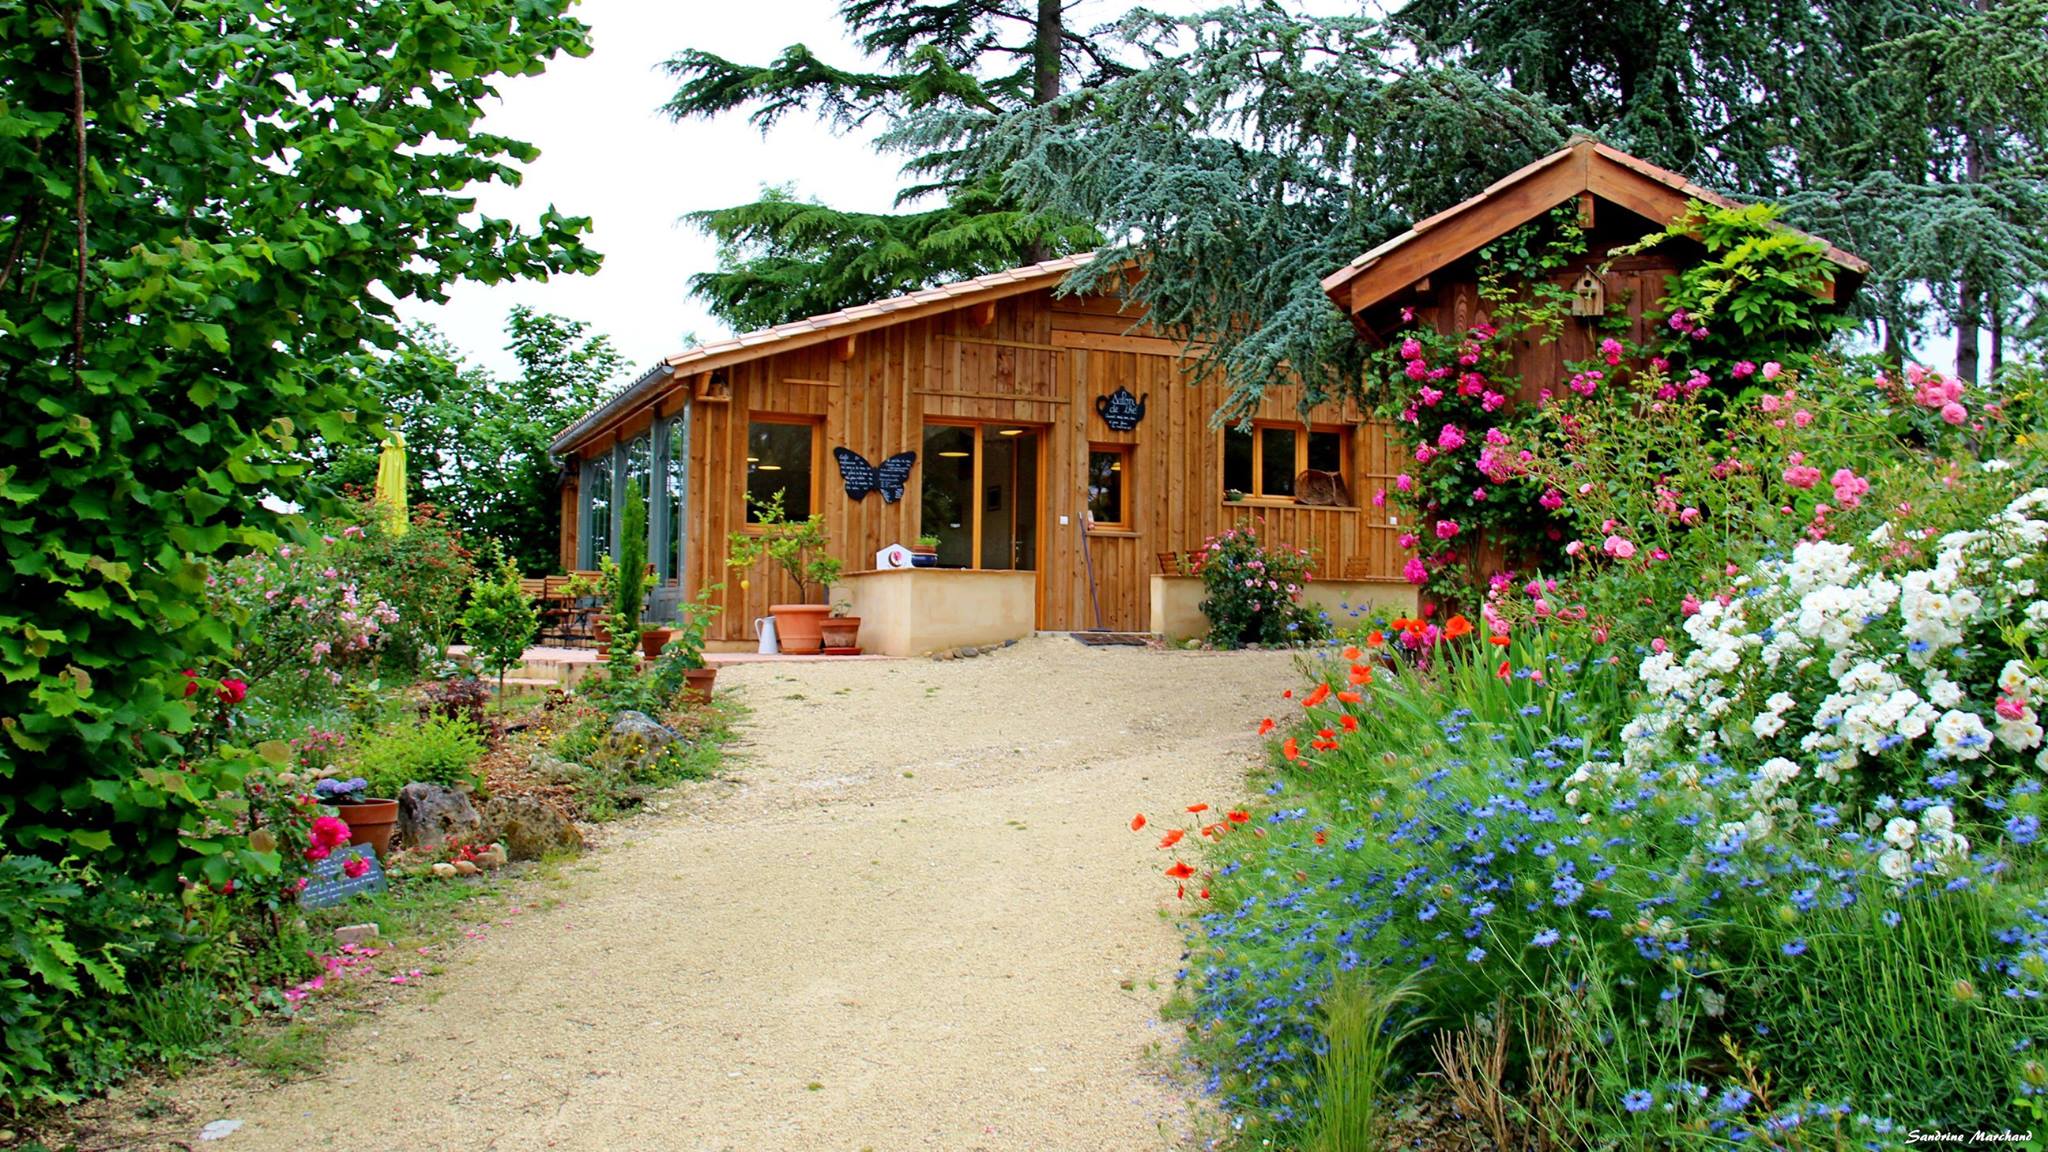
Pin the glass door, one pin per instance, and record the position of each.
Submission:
(980, 495)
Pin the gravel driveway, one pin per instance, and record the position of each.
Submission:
(915, 918)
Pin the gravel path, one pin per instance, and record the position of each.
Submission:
(915, 918)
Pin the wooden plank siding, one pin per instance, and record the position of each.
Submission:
(1039, 362)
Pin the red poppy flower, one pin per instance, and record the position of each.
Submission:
(1322, 837)
(1198, 808)
(1352, 652)
(1291, 750)
(1180, 870)
(1498, 640)
(1457, 627)
(1349, 697)
(1137, 821)
(1360, 674)
(1204, 893)
(1266, 725)
(1502, 671)
(1316, 697)
(1171, 838)
(1239, 817)
(1348, 722)
(1376, 639)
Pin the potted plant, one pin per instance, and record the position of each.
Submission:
(686, 646)
(840, 632)
(370, 820)
(798, 548)
(925, 553)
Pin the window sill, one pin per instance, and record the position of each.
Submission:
(1114, 532)
(1288, 502)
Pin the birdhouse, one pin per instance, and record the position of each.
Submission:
(1589, 295)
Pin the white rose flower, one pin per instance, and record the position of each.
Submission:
(1767, 725)
(1938, 819)
(1960, 735)
(1900, 832)
(1895, 864)
(1942, 691)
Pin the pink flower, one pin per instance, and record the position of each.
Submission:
(2010, 709)
(329, 832)
(1551, 499)
(1801, 475)
(1689, 516)
(1411, 349)
(1954, 413)
(1417, 370)
(1429, 396)
(1771, 369)
(1744, 369)
(1450, 438)
(1404, 482)
(1479, 494)
(1407, 315)
(1659, 646)
(1379, 498)
(1770, 403)
(1424, 454)
(1574, 548)
(1619, 547)
(1408, 540)
(1849, 488)
(1492, 402)
(1414, 571)
(1446, 529)
(355, 867)
(1801, 418)
(1690, 606)
(1497, 437)
(1610, 350)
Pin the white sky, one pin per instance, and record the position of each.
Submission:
(607, 154)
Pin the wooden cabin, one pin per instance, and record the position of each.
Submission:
(1063, 454)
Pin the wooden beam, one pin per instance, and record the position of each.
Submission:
(1457, 235)
(1585, 209)
(843, 348)
(1421, 287)
(982, 315)
(1104, 342)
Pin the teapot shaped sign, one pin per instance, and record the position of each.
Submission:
(1121, 410)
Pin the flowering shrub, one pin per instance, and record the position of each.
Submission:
(1254, 590)
(303, 624)
(422, 574)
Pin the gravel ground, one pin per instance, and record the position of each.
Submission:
(914, 918)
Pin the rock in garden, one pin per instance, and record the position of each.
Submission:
(430, 816)
(219, 1129)
(636, 741)
(445, 870)
(492, 857)
(467, 867)
(357, 934)
(553, 769)
(529, 828)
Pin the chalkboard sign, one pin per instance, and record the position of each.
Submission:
(862, 477)
(330, 885)
(1121, 410)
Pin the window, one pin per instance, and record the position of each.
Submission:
(1263, 461)
(597, 509)
(1109, 485)
(781, 457)
(978, 493)
(675, 457)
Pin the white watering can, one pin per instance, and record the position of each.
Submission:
(765, 628)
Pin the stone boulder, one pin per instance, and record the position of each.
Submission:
(636, 741)
(529, 828)
(431, 817)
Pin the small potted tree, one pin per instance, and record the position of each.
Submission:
(798, 547)
(840, 632)
(632, 578)
(686, 644)
(925, 553)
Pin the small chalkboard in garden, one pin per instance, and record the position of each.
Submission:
(1121, 410)
(331, 883)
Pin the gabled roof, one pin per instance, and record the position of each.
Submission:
(1582, 165)
(818, 330)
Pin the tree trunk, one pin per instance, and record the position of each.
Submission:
(1045, 53)
(1969, 294)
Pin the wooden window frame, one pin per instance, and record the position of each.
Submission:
(817, 427)
(1348, 446)
(980, 428)
(1129, 452)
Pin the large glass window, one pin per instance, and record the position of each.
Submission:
(1109, 478)
(979, 495)
(676, 480)
(1263, 461)
(640, 467)
(597, 509)
(781, 457)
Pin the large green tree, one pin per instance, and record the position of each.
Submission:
(783, 257)
(207, 212)
(1910, 131)
(1258, 151)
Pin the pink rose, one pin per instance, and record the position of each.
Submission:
(1404, 482)
(1619, 547)
(1744, 369)
(1446, 529)
(1771, 369)
(1954, 413)
(1415, 572)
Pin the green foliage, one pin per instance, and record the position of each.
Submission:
(632, 579)
(797, 547)
(500, 622)
(191, 277)
(1360, 1035)
(439, 750)
(421, 573)
(179, 1022)
(478, 444)
(782, 259)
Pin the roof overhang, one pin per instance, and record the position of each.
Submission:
(815, 330)
(1582, 166)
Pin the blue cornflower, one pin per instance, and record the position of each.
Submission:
(1475, 955)
(1637, 1100)
(1793, 947)
(1736, 1099)
(1545, 938)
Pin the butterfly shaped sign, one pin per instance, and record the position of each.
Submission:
(861, 477)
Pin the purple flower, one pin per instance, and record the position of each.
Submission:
(1637, 1100)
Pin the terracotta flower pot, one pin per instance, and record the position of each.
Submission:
(602, 633)
(796, 626)
(840, 631)
(697, 684)
(652, 640)
(371, 822)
